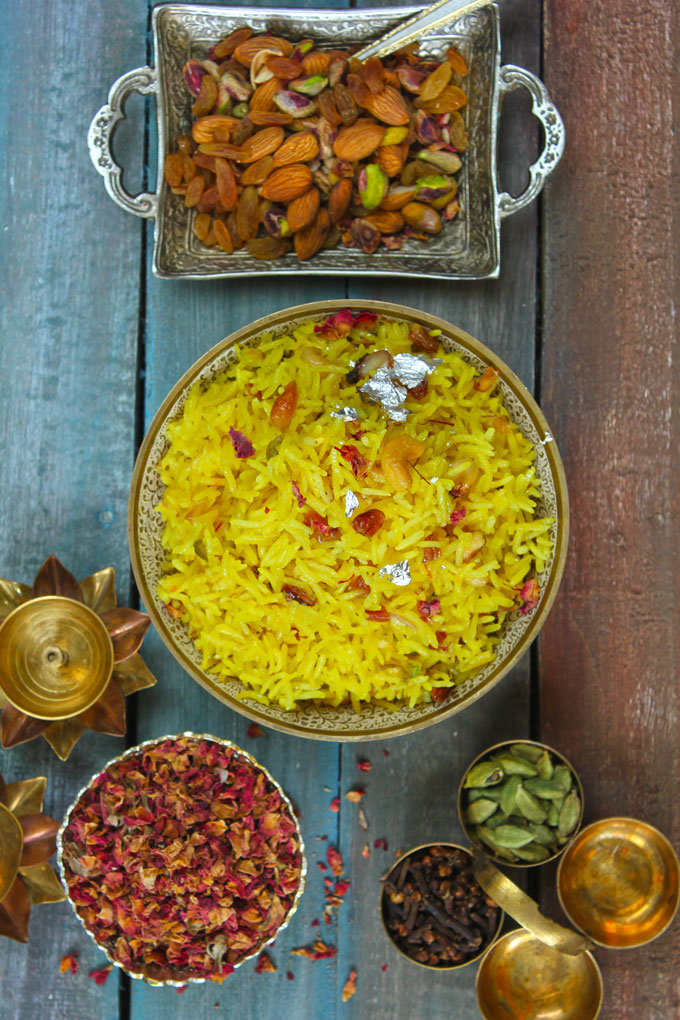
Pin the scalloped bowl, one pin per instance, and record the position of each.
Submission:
(322, 721)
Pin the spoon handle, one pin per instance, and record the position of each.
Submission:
(436, 16)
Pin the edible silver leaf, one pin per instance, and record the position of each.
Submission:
(411, 369)
(345, 413)
(399, 573)
(351, 503)
(389, 386)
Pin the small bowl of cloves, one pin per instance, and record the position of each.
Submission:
(433, 909)
(521, 803)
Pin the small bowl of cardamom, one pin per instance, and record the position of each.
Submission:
(521, 803)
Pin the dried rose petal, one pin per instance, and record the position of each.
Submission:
(315, 923)
(366, 852)
(334, 861)
(380, 843)
(264, 964)
(69, 962)
(254, 731)
(356, 460)
(242, 445)
(529, 595)
(298, 495)
(334, 805)
(350, 986)
(100, 977)
(341, 888)
(428, 609)
(355, 795)
(384, 967)
(457, 515)
(364, 765)
(321, 866)
(290, 975)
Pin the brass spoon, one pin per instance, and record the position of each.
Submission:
(436, 16)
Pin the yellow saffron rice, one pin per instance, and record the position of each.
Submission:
(234, 534)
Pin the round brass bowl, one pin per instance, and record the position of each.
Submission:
(133, 751)
(618, 882)
(455, 966)
(11, 846)
(462, 803)
(56, 657)
(522, 977)
(321, 721)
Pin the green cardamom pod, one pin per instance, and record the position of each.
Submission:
(569, 813)
(487, 836)
(511, 836)
(529, 751)
(498, 819)
(532, 853)
(543, 834)
(509, 792)
(553, 815)
(532, 809)
(546, 789)
(513, 765)
(480, 811)
(487, 773)
(545, 766)
(486, 792)
(563, 778)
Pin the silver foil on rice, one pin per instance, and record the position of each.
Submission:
(389, 386)
(345, 413)
(351, 503)
(399, 573)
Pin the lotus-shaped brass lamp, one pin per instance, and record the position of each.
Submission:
(68, 657)
(27, 839)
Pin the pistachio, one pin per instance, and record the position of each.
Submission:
(429, 189)
(395, 135)
(410, 78)
(193, 74)
(512, 836)
(372, 186)
(487, 773)
(309, 86)
(294, 103)
(365, 235)
(301, 48)
(447, 162)
(480, 811)
(422, 217)
(240, 111)
(236, 85)
(275, 223)
(427, 129)
(223, 99)
(273, 448)
(336, 71)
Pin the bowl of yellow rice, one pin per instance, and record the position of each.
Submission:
(348, 523)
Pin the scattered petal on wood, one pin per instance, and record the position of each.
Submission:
(366, 852)
(100, 977)
(384, 966)
(363, 821)
(290, 975)
(264, 964)
(334, 861)
(315, 922)
(180, 990)
(364, 765)
(321, 866)
(334, 805)
(380, 843)
(254, 731)
(350, 986)
(69, 962)
(355, 795)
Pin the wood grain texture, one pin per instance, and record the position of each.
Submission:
(609, 654)
(69, 293)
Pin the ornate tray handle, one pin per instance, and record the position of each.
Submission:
(145, 81)
(511, 78)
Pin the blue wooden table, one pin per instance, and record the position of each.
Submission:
(91, 343)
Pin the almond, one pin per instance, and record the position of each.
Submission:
(338, 200)
(315, 62)
(261, 144)
(389, 106)
(287, 183)
(386, 222)
(302, 210)
(263, 96)
(299, 148)
(358, 140)
(310, 240)
(390, 159)
(203, 129)
(245, 52)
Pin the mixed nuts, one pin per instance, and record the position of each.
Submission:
(296, 146)
(434, 909)
(521, 803)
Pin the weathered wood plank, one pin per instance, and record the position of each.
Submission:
(68, 318)
(411, 795)
(609, 655)
(183, 319)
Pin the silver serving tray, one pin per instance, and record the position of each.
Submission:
(467, 248)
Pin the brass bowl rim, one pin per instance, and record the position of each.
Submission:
(487, 850)
(427, 966)
(592, 962)
(318, 309)
(13, 822)
(672, 854)
(129, 752)
(25, 607)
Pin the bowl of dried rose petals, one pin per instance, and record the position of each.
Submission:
(182, 859)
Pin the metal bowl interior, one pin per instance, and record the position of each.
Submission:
(462, 803)
(426, 966)
(321, 721)
(619, 882)
(133, 751)
(520, 976)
